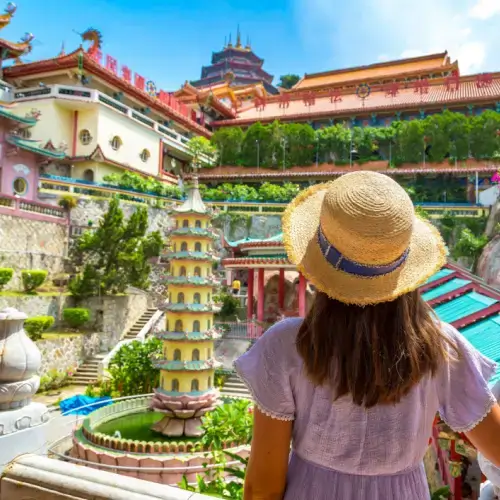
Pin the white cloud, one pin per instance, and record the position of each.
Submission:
(401, 29)
(383, 58)
(484, 9)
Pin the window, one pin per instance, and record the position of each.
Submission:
(170, 297)
(168, 325)
(180, 298)
(175, 385)
(85, 137)
(20, 186)
(162, 382)
(183, 271)
(116, 143)
(197, 298)
(209, 382)
(179, 326)
(197, 271)
(184, 246)
(185, 223)
(197, 247)
(88, 175)
(195, 385)
(145, 155)
(175, 247)
(176, 223)
(208, 324)
(177, 355)
(197, 223)
(196, 326)
(24, 133)
(208, 297)
(196, 355)
(209, 353)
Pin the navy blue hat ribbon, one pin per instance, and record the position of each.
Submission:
(342, 263)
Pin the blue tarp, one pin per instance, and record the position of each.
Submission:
(73, 405)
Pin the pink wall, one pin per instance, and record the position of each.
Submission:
(21, 165)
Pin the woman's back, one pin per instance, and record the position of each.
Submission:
(337, 442)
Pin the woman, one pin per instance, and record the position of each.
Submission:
(355, 386)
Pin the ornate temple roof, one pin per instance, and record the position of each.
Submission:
(194, 336)
(191, 280)
(188, 255)
(193, 231)
(190, 366)
(193, 203)
(422, 66)
(13, 50)
(35, 147)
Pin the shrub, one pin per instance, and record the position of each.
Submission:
(76, 316)
(33, 279)
(68, 202)
(53, 379)
(35, 326)
(5, 275)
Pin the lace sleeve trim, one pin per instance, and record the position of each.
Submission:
(487, 409)
(260, 406)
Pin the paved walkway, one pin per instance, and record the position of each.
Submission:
(52, 397)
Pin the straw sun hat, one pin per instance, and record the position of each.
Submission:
(358, 240)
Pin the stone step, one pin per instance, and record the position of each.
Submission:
(236, 390)
(83, 380)
(240, 385)
(236, 395)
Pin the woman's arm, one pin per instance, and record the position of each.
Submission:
(267, 468)
(486, 436)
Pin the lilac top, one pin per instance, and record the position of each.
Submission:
(341, 450)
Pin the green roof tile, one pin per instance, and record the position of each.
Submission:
(449, 286)
(462, 306)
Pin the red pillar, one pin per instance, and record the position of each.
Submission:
(302, 296)
(260, 295)
(250, 294)
(281, 290)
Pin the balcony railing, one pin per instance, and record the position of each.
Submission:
(12, 205)
(169, 136)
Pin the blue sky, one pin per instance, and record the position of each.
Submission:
(169, 40)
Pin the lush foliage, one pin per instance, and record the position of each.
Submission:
(442, 493)
(229, 304)
(116, 255)
(435, 138)
(5, 275)
(469, 245)
(220, 378)
(202, 151)
(35, 326)
(288, 81)
(141, 184)
(33, 279)
(278, 193)
(215, 482)
(54, 379)
(68, 202)
(76, 316)
(131, 369)
(229, 422)
(103, 389)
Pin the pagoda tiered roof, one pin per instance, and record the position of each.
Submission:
(211, 334)
(191, 280)
(193, 204)
(182, 307)
(193, 231)
(189, 255)
(189, 366)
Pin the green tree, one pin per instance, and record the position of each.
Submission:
(228, 141)
(288, 81)
(470, 246)
(203, 152)
(116, 255)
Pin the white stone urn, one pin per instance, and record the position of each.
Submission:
(20, 360)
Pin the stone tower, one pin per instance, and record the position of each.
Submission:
(187, 365)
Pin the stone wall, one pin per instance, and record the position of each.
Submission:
(115, 315)
(38, 305)
(67, 353)
(93, 210)
(31, 244)
(255, 227)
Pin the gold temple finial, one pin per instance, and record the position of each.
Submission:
(230, 43)
(248, 46)
(238, 37)
(62, 51)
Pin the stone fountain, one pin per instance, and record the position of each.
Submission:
(21, 420)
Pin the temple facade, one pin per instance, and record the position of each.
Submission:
(187, 365)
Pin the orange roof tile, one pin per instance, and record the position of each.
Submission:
(351, 105)
(427, 64)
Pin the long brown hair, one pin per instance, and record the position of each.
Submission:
(374, 353)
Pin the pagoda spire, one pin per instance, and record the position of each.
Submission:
(248, 46)
(238, 37)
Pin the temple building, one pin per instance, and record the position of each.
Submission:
(236, 76)
(188, 365)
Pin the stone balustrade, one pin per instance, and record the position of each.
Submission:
(33, 476)
(12, 205)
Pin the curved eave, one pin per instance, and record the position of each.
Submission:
(264, 262)
(5, 113)
(189, 281)
(33, 148)
(186, 366)
(13, 50)
(189, 232)
(194, 256)
(188, 308)
(256, 245)
(187, 336)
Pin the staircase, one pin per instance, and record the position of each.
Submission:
(88, 372)
(235, 388)
(139, 324)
